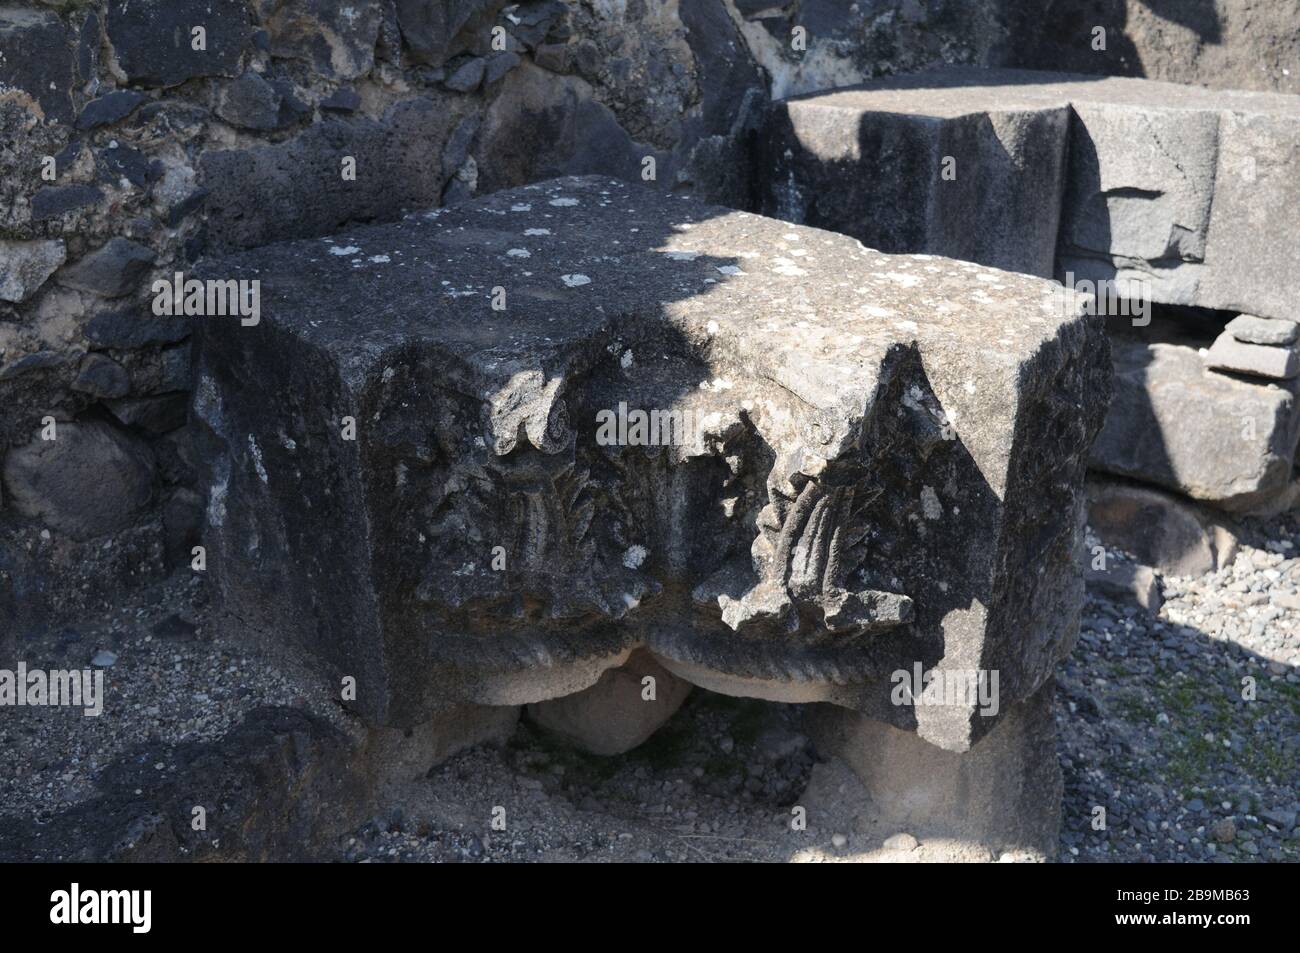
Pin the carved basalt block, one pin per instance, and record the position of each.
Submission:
(483, 454)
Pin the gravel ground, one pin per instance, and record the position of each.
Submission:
(1154, 729)
(167, 676)
(1157, 727)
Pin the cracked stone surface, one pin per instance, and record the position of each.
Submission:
(1193, 191)
(864, 467)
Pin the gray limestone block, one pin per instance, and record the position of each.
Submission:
(1168, 408)
(1141, 181)
(844, 463)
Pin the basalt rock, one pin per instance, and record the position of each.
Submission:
(1226, 440)
(1190, 191)
(479, 455)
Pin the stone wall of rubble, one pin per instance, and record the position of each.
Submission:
(131, 146)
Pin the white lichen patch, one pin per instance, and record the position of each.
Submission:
(256, 452)
(930, 503)
(519, 253)
(682, 255)
(344, 250)
(574, 281)
(563, 202)
(537, 231)
(379, 259)
(635, 556)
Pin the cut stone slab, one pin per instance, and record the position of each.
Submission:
(1250, 329)
(1003, 796)
(1257, 360)
(854, 468)
(1184, 189)
(1216, 438)
(615, 715)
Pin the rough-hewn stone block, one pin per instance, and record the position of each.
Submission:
(1180, 425)
(912, 166)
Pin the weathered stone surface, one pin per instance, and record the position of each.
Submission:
(540, 126)
(131, 328)
(1126, 583)
(119, 162)
(37, 60)
(1278, 332)
(614, 715)
(437, 31)
(38, 361)
(112, 270)
(1228, 44)
(910, 165)
(341, 100)
(1002, 796)
(1141, 181)
(337, 40)
(1181, 188)
(91, 480)
(1257, 360)
(153, 415)
(154, 42)
(1160, 529)
(102, 376)
(869, 436)
(1214, 437)
(297, 188)
(109, 108)
(250, 102)
(54, 200)
(467, 76)
(25, 266)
